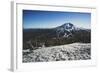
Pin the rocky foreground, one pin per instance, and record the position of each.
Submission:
(75, 51)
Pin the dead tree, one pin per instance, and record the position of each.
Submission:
(30, 43)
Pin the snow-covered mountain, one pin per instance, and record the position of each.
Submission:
(67, 30)
(66, 27)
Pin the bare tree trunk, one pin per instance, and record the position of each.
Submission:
(30, 43)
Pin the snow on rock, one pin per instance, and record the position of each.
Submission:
(75, 51)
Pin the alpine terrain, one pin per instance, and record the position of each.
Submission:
(65, 42)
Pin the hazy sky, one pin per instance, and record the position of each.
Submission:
(49, 19)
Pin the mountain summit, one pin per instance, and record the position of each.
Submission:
(65, 30)
(67, 26)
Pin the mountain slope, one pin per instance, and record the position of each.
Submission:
(75, 51)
